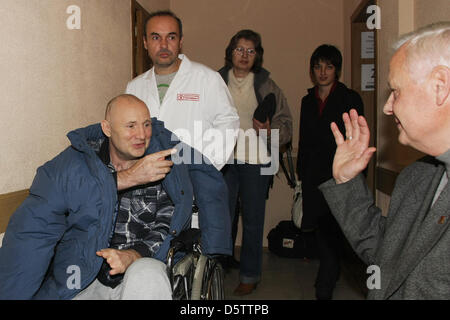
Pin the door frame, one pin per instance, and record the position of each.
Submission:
(140, 60)
(358, 17)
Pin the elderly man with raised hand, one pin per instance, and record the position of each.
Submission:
(411, 246)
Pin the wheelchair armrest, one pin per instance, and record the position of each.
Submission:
(185, 240)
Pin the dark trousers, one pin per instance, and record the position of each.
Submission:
(245, 182)
(235, 223)
(330, 246)
(329, 236)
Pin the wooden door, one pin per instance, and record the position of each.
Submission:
(141, 60)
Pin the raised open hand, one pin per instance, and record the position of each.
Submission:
(353, 152)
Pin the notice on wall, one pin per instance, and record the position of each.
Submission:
(368, 45)
(368, 77)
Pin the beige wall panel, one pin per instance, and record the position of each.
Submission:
(427, 11)
(154, 5)
(405, 16)
(55, 79)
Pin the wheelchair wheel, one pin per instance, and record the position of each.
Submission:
(212, 288)
(182, 278)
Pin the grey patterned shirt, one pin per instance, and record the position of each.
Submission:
(144, 213)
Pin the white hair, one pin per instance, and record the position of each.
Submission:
(426, 48)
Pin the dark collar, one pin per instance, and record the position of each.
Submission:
(103, 153)
(260, 77)
(316, 92)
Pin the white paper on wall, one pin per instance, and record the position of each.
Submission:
(368, 77)
(367, 45)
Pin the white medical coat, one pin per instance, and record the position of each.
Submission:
(197, 108)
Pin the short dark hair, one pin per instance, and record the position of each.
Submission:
(249, 35)
(163, 13)
(329, 54)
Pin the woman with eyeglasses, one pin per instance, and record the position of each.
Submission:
(262, 107)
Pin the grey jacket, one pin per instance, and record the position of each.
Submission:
(282, 119)
(411, 246)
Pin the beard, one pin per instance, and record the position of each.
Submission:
(167, 61)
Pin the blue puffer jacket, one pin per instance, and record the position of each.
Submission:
(69, 215)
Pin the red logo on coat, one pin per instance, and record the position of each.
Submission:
(188, 97)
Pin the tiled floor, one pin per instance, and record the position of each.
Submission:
(291, 279)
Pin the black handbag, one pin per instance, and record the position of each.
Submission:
(286, 240)
(266, 109)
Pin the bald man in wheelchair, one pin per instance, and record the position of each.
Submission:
(100, 216)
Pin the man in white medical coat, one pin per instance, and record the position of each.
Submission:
(191, 99)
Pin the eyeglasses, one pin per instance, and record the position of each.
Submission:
(240, 51)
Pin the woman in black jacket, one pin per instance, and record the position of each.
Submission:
(324, 103)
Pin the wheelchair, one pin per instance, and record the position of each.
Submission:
(194, 276)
